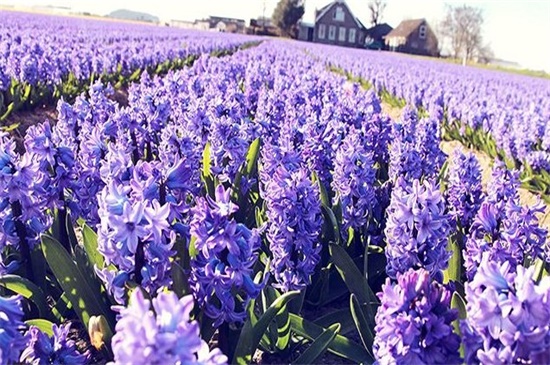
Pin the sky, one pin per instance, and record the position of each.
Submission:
(516, 30)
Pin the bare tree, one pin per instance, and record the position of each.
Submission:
(462, 28)
(376, 8)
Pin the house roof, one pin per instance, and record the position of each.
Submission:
(379, 30)
(225, 19)
(405, 28)
(321, 12)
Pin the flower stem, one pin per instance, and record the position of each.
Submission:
(22, 234)
(140, 261)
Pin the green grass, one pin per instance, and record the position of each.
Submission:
(524, 71)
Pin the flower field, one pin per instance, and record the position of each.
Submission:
(250, 202)
(46, 57)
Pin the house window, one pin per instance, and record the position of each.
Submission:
(339, 14)
(351, 35)
(332, 32)
(414, 45)
(422, 32)
(322, 31)
(342, 34)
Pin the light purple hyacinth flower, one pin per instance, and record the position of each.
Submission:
(58, 349)
(222, 271)
(414, 322)
(160, 331)
(508, 316)
(416, 229)
(12, 341)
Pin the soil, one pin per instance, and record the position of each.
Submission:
(526, 197)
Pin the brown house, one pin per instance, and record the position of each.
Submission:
(336, 24)
(413, 36)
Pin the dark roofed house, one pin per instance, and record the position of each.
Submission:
(413, 36)
(336, 24)
(229, 25)
(374, 38)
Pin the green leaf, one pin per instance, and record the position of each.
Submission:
(340, 316)
(365, 332)
(207, 328)
(90, 246)
(206, 175)
(42, 324)
(355, 281)
(340, 346)
(71, 234)
(328, 288)
(259, 214)
(457, 302)
(252, 157)
(38, 264)
(96, 285)
(282, 320)
(252, 333)
(539, 272)
(27, 289)
(179, 264)
(454, 270)
(206, 161)
(319, 346)
(249, 168)
(351, 236)
(323, 192)
(330, 221)
(85, 302)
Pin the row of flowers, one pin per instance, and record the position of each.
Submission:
(44, 57)
(230, 199)
(503, 114)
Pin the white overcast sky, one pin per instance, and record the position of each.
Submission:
(517, 30)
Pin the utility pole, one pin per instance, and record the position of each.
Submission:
(263, 17)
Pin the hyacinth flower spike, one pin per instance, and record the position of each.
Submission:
(221, 275)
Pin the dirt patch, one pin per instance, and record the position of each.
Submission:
(393, 112)
(18, 122)
(120, 96)
(526, 197)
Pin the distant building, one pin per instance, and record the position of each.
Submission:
(375, 36)
(212, 23)
(182, 24)
(336, 24)
(262, 26)
(413, 36)
(202, 25)
(223, 24)
(50, 9)
(262, 21)
(306, 31)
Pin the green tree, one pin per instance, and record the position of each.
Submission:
(286, 16)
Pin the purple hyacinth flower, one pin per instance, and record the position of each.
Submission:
(294, 224)
(502, 228)
(508, 315)
(354, 182)
(12, 342)
(128, 226)
(160, 332)
(58, 349)
(464, 192)
(414, 322)
(221, 272)
(416, 229)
